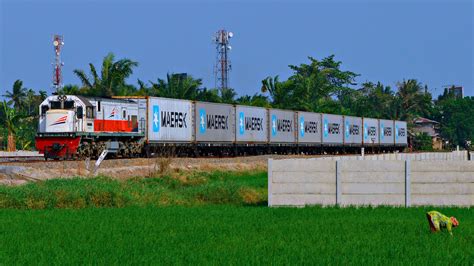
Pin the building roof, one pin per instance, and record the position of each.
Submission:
(422, 120)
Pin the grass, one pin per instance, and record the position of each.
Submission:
(198, 188)
(226, 234)
(210, 218)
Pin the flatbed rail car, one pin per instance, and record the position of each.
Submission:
(75, 126)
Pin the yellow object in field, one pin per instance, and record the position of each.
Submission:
(438, 220)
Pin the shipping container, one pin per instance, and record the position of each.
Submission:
(352, 131)
(282, 126)
(332, 129)
(371, 131)
(387, 137)
(309, 128)
(214, 122)
(251, 124)
(170, 120)
(401, 133)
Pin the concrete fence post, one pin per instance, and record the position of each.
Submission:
(407, 183)
(270, 181)
(338, 183)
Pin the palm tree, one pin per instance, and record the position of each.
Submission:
(17, 96)
(228, 95)
(111, 79)
(280, 94)
(30, 100)
(42, 95)
(413, 99)
(177, 86)
(11, 121)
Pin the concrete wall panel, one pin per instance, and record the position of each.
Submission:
(302, 199)
(373, 200)
(304, 177)
(443, 188)
(373, 188)
(373, 177)
(369, 166)
(441, 200)
(442, 177)
(298, 165)
(304, 188)
(434, 166)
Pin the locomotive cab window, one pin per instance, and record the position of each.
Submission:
(90, 112)
(98, 106)
(80, 112)
(124, 115)
(57, 105)
(68, 104)
(44, 109)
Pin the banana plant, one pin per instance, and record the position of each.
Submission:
(11, 121)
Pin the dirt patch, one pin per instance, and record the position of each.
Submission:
(127, 168)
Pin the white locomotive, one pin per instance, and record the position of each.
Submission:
(82, 126)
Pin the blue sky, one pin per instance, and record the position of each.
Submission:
(385, 41)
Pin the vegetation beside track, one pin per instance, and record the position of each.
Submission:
(194, 188)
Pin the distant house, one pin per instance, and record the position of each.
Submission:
(431, 128)
(457, 91)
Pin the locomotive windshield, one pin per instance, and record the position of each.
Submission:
(57, 105)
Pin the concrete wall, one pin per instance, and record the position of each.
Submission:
(425, 156)
(434, 183)
(299, 182)
(372, 183)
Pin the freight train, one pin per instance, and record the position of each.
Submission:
(79, 127)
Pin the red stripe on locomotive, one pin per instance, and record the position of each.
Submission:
(113, 126)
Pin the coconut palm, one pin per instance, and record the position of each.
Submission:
(17, 96)
(11, 121)
(178, 86)
(279, 93)
(42, 95)
(30, 101)
(112, 76)
(228, 95)
(414, 100)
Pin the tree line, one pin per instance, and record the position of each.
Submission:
(315, 86)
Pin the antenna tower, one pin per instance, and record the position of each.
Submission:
(223, 65)
(57, 64)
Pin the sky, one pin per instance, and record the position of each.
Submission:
(386, 41)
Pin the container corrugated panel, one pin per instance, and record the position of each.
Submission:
(387, 137)
(214, 122)
(170, 120)
(282, 126)
(251, 124)
(371, 131)
(401, 133)
(352, 131)
(309, 127)
(332, 129)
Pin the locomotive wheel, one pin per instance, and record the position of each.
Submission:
(84, 150)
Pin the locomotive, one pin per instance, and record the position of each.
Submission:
(72, 126)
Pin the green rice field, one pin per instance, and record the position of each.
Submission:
(214, 218)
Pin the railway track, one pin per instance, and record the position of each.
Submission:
(20, 159)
